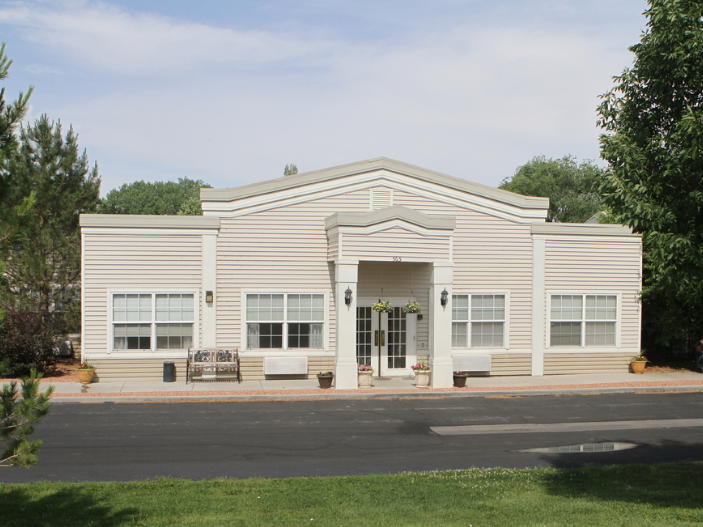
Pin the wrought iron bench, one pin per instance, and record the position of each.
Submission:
(213, 364)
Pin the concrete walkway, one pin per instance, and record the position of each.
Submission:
(125, 391)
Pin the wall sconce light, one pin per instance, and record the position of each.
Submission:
(347, 296)
(445, 297)
(209, 297)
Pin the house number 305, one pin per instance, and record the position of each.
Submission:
(397, 259)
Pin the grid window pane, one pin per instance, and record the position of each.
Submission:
(487, 307)
(601, 307)
(459, 335)
(304, 335)
(174, 336)
(132, 336)
(460, 307)
(131, 308)
(567, 307)
(600, 333)
(305, 307)
(264, 308)
(565, 334)
(484, 334)
(174, 307)
(265, 335)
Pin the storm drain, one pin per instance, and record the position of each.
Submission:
(585, 448)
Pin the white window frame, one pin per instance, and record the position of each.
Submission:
(469, 322)
(153, 322)
(285, 322)
(583, 321)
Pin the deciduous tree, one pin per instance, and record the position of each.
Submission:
(653, 141)
(167, 197)
(572, 187)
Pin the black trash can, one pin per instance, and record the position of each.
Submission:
(169, 371)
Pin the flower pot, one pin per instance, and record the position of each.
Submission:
(325, 381)
(459, 381)
(86, 375)
(638, 366)
(422, 378)
(365, 379)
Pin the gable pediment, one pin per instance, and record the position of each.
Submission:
(394, 233)
(372, 174)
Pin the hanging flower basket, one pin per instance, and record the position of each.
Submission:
(382, 307)
(412, 307)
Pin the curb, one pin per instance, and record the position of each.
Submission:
(373, 395)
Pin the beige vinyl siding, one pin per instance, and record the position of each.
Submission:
(507, 364)
(565, 363)
(490, 254)
(406, 280)
(253, 368)
(332, 246)
(283, 249)
(136, 262)
(117, 368)
(603, 266)
(396, 242)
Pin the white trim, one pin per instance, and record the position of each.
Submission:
(281, 291)
(131, 231)
(573, 349)
(539, 304)
(506, 321)
(367, 181)
(153, 292)
(82, 296)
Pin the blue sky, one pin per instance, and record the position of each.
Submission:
(230, 92)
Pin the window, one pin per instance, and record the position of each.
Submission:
(478, 321)
(583, 320)
(151, 321)
(295, 320)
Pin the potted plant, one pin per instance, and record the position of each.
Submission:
(638, 363)
(422, 375)
(460, 379)
(86, 372)
(412, 307)
(325, 379)
(365, 374)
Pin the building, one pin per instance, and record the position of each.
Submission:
(287, 270)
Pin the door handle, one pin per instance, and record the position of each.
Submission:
(382, 335)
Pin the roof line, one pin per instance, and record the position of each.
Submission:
(360, 167)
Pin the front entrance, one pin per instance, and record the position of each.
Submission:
(395, 332)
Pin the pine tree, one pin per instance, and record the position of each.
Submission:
(43, 269)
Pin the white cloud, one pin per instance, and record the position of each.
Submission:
(473, 101)
(108, 38)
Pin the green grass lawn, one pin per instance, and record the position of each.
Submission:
(633, 495)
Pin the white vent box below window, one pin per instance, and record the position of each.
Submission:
(472, 362)
(285, 365)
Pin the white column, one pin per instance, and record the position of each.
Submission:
(208, 310)
(346, 276)
(538, 306)
(441, 325)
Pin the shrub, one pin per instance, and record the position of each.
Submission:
(27, 340)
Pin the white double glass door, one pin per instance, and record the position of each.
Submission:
(392, 333)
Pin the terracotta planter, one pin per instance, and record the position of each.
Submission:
(365, 379)
(325, 381)
(86, 375)
(638, 366)
(422, 378)
(459, 381)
